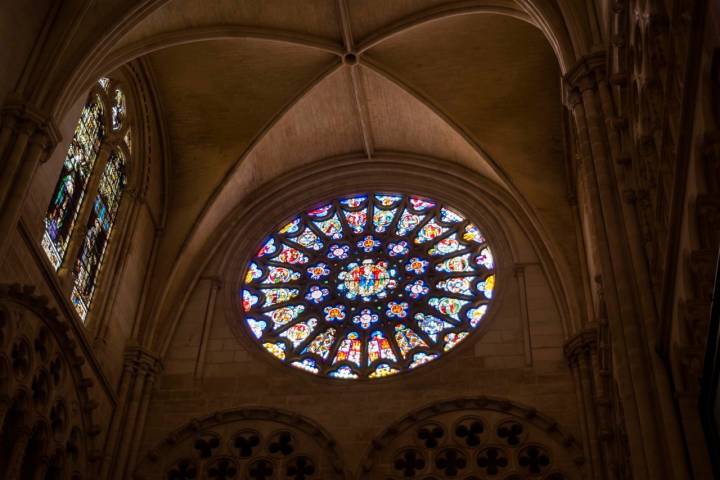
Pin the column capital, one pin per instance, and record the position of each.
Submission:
(583, 341)
(31, 119)
(583, 76)
(141, 359)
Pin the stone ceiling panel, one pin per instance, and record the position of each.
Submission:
(217, 97)
(498, 79)
(309, 17)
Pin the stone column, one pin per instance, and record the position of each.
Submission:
(26, 139)
(141, 367)
(151, 375)
(625, 316)
(115, 425)
(578, 351)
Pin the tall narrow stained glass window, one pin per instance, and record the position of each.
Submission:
(99, 228)
(70, 190)
(368, 285)
(106, 180)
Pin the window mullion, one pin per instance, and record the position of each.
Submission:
(78, 234)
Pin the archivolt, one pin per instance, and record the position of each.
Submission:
(465, 189)
(496, 431)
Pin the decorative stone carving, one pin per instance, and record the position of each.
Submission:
(479, 437)
(44, 390)
(252, 443)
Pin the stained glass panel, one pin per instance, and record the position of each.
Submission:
(368, 285)
(99, 228)
(70, 190)
(118, 109)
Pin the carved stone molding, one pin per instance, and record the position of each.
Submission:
(47, 381)
(252, 442)
(474, 436)
(581, 343)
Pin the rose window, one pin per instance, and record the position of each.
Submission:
(368, 286)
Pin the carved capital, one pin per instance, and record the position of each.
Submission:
(582, 342)
(587, 72)
(138, 360)
(30, 119)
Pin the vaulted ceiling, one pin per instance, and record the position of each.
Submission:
(250, 90)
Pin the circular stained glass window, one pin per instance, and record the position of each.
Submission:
(368, 286)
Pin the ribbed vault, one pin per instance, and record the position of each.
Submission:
(251, 90)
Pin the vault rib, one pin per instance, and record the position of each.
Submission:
(159, 308)
(358, 93)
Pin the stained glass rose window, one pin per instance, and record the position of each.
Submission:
(368, 285)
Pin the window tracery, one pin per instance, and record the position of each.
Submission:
(74, 176)
(368, 285)
(88, 172)
(257, 444)
(472, 439)
(46, 423)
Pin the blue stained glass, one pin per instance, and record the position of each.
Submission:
(458, 264)
(485, 259)
(365, 319)
(70, 189)
(407, 223)
(446, 245)
(448, 216)
(308, 240)
(407, 339)
(284, 315)
(317, 294)
(398, 249)
(249, 300)
(354, 202)
(343, 372)
(278, 275)
(431, 325)
(99, 228)
(383, 218)
(118, 109)
(421, 358)
(356, 220)
(292, 227)
(459, 285)
(300, 331)
(320, 211)
(268, 248)
(254, 272)
(379, 348)
(417, 289)
(430, 231)
(472, 234)
(387, 200)
(452, 339)
(331, 227)
(369, 304)
(273, 296)
(448, 306)
(318, 271)
(257, 326)
(475, 315)
(307, 364)
(383, 370)
(421, 205)
(368, 244)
